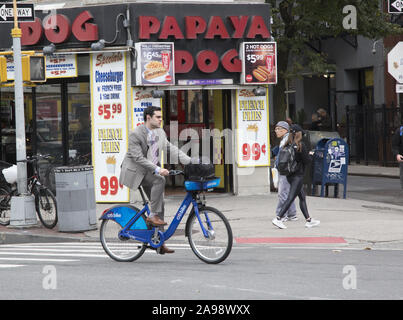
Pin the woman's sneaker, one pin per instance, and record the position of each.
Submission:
(279, 223)
(293, 218)
(312, 223)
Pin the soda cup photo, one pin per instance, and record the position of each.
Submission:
(270, 62)
(165, 59)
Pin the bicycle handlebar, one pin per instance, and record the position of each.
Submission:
(175, 172)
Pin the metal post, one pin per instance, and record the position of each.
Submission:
(22, 206)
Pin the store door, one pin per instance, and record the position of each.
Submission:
(195, 112)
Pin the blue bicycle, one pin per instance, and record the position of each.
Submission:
(125, 235)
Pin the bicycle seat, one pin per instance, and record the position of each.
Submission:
(202, 185)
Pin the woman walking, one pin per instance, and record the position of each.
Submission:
(296, 180)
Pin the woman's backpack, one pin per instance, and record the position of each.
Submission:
(287, 163)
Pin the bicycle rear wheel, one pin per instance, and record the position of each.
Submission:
(216, 247)
(46, 207)
(5, 206)
(119, 248)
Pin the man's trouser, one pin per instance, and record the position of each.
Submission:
(154, 187)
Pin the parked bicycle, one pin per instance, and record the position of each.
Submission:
(125, 235)
(45, 201)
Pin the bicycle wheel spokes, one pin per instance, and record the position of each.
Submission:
(46, 207)
(117, 247)
(215, 246)
(5, 207)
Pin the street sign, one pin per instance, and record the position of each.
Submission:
(395, 62)
(25, 12)
(395, 6)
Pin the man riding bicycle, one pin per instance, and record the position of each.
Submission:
(141, 165)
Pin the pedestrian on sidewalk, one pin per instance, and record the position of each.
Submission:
(397, 149)
(296, 180)
(282, 132)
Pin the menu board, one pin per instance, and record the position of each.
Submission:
(155, 63)
(252, 129)
(109, 124)
(259, 63)
(61, 66)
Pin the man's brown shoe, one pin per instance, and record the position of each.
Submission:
(156, 221)
(164, 249)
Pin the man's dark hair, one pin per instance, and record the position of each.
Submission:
(150, 111)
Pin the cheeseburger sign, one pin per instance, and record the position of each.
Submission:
(198, 28)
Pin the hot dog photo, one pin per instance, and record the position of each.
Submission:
(259, 63)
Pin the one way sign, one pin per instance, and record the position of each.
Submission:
(25, 12)
(395, 6)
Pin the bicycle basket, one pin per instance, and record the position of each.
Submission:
(199, 172)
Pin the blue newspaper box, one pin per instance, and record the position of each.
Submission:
(330, 163)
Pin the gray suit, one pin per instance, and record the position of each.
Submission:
(137, 168)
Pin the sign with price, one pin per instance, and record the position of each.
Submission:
(109, 124)
(61, 66)
(155, 63)
(259, 63)
(57, 66)
(252, 129)
(141, 99)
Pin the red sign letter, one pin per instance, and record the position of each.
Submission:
(194, 26)
(207, 61)
(239, 26)
(230, 61)
(31, 32)
(170, 28)
(258, 26)
(148, 25)
(183, 61)
(216, 27)
(83, 30)
(57, 28)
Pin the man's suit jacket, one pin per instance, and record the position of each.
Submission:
(136, 165)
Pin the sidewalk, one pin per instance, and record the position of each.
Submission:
(345, 222)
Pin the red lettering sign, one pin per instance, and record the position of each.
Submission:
(258, 26)
(170, 27)
(216, 27)
(183, 61)
(148, 25)
(31, 32)
(194, 26)
(82, 29)
(57, 28)
(207, 61)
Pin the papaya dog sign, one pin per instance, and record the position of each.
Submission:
(259, 63)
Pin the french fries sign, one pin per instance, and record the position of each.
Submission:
(259, 63)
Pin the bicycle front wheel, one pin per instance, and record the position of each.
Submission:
(46, 207)
(217, 244)
(5, 206)
(119, 248)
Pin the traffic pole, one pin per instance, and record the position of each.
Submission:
(22, 206)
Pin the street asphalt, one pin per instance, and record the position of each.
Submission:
(344, 222)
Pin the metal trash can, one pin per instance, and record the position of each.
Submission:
(75, 198)
(330, 163)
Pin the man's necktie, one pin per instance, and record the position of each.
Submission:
(154, 148)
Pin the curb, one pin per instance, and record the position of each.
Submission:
(25, 237)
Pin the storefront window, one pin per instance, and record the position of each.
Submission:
(79, 123)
